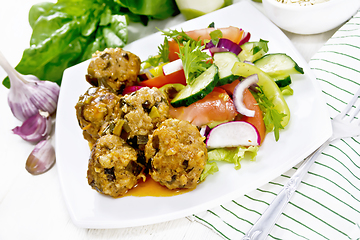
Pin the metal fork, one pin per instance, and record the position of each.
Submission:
(343, 126)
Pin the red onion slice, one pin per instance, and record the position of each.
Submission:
(229, 45)
(216, 50)
(238, 95)
(209, 45)
(245, 38)
(204, 130)
(223, 45)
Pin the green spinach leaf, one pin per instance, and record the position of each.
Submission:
(68, 32)
(158, 9)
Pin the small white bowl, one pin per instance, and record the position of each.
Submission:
(312, 19)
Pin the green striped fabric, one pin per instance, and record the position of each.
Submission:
(327, 203)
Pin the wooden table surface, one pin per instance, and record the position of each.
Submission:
(32, 207)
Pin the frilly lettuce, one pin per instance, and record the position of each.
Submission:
(231, 155)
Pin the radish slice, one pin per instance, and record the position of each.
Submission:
(233, 134)
(173, 66)
(238, 95)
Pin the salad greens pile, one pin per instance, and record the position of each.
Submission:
(69, 31)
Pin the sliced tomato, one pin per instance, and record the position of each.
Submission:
(232, 33)
(173, 50)
(250, 103)
(229, 88)
(217, 106)
(159, 81)
(258, 119)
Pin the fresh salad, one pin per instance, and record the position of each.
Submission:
(226, 84)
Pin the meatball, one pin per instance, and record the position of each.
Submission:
(114, 167)
(114, 68)
(176, 154)
(94, 110)
(142, 111)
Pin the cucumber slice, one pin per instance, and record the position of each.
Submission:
(283, 82)
(225, 62)
(201, 86)
(251, 51)
(278, 65)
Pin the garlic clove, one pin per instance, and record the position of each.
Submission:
(42, 158)
(35, 128)
(47, 100)
(25, 99)
(28, 94)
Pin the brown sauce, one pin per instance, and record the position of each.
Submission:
(150, 188)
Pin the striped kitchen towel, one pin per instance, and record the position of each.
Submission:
(327, 203)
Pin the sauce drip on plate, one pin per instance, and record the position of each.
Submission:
(150, 188)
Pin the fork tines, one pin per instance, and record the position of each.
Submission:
(352, 108)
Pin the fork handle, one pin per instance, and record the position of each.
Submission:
(267, 220)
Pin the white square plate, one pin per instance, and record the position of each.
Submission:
(309, 127)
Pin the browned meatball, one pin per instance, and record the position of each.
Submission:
(176, 154)
(94, 110)
(114, 68)
(142, 111)
(114, 167)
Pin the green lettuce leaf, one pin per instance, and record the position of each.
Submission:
(210, 168)
(233, 155)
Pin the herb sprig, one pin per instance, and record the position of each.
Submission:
(194, 60)
(272, 117)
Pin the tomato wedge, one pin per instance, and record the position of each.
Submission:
(229, 88)
(232, 33)
(257, 120)
(217, 106)
(250, 103)
(173, 50)
(159, 81)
